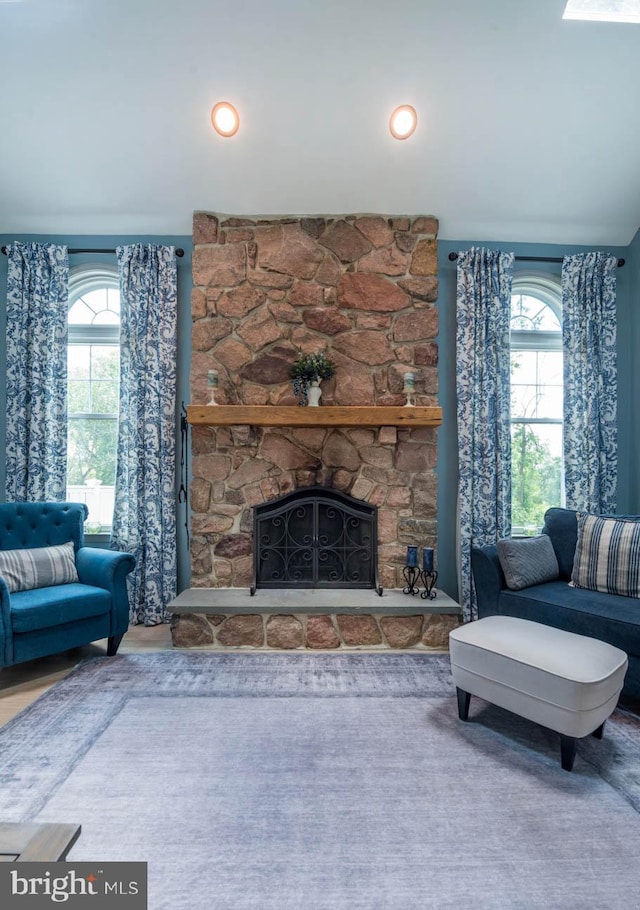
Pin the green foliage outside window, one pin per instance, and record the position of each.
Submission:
(535, 480)
(93, 393)
(92, 451)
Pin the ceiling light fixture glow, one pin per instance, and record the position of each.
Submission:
(603, 10)
(225, 118)
(403, 121)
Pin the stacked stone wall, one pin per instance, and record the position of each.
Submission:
(362, 288)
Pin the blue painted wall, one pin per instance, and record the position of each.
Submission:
(628, 379)
(184, 337)
(628, 316)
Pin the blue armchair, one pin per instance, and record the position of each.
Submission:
(46, 620)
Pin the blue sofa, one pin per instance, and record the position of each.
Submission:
(50, 619)
(609, 617)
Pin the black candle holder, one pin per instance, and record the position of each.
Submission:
(429, 580)
(412, 575)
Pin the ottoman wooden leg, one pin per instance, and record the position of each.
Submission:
(599, 733)
(463, 703)
(567, 751)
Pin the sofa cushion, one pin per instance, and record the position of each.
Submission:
(47, 607)
(38, 567)
(607, 555)
(608, 617)
(527, 561)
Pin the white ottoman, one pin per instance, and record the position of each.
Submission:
(566, 682)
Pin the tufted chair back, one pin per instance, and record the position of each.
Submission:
(41, 524)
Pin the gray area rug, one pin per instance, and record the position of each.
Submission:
(323, 782)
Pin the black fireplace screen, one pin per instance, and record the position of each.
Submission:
(315, 538)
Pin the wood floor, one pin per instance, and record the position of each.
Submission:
(23, 683)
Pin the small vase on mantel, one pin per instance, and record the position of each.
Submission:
(306, 373)
(314, 393)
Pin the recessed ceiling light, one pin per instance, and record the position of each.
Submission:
(603, 10)
(403, 121)
(225, 118)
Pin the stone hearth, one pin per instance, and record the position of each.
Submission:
(311, 620)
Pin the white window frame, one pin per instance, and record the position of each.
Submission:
(82, 280)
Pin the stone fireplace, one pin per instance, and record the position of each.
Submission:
(362, 288)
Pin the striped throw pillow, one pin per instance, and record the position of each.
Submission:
(607, 555)
(40, 567)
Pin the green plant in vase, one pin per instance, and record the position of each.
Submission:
(309, 370)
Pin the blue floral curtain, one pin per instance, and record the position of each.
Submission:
(590, 381)
(483, 310)
(36, 426)
(144, 520)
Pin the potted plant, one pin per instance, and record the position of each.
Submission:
(307, 372)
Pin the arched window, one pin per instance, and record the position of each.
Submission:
(93, 392)
(536, 402)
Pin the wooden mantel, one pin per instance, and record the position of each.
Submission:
(225, 415)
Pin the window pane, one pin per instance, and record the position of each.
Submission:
(536, 384)
(550, 367)
(113, 300)
(97, 300)
(536, 456)
(78, 361)
(524, 367)
(91, 450)
(80, 314)
(79, 396)
(100, 501)
(104, 397)
(98, 307)
(105, 361)
(532, 314)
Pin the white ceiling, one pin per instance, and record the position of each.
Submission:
(529, 126)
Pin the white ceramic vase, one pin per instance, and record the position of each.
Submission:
(314, 393)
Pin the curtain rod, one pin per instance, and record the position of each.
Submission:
(454, 256)
(179, 251)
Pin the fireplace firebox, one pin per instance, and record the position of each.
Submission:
(315, 537)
